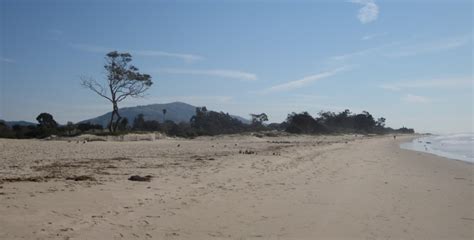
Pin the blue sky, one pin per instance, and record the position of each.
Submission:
(408, 61)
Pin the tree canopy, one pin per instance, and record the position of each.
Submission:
(46, 120)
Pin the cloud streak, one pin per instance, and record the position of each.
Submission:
(303, 82)
(346, 56)
(54, 34)
(372, 36)
(405, 49)
(6, 60)
(369, 11)
(146, 53)
(410, 98)
(222, 73)
(183, 56)
(434, 83)
(431, 47)
(363, 52)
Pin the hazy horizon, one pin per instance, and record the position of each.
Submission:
(410, 62)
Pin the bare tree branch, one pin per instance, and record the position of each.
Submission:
(93, 85)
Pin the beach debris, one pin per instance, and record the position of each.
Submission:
(279, 142)
(247, 152)
(120, 159)
(81, 178)
(179, 145)
(138, 178)
(23, 179)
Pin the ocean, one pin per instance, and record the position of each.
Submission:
(458, 146)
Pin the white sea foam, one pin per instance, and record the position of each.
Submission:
(456, 146)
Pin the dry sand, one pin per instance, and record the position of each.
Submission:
(333, 187)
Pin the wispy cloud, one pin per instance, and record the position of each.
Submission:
(147, 53)
(363, 52)
(54, 34)
(406, 49)
(90, 48)
(430, 47)
(304, 81)
(183, 56)
(354, 54)
(223, 73)
(410, 98)
(372, 36)
(390, 87)
(368, 12)
(433, 83)
(6, 60)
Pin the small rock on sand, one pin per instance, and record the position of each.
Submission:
(81, 178)
(138, 178)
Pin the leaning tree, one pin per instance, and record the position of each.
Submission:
(258, 119)
(123, 80)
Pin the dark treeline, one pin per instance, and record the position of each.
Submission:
(46, 127)
(211, 123)
(342, 122)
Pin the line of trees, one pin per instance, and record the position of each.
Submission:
(46, 127)
(342, 122)
(206, 122)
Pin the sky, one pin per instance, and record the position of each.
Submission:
(408, 61)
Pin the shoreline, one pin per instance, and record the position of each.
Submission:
(297, 187)
(411, 145)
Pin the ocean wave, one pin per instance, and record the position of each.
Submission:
(458, 146)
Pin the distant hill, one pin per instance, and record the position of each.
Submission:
(21, 123)
(176, 112)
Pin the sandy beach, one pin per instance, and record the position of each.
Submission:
(233, 187)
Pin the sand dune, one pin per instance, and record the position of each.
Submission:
(233, 187)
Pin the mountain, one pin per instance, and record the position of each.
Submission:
(21, 123)
(176, 112)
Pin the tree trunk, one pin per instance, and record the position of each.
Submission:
(118, 118)
(111, 122)
(113, 125)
